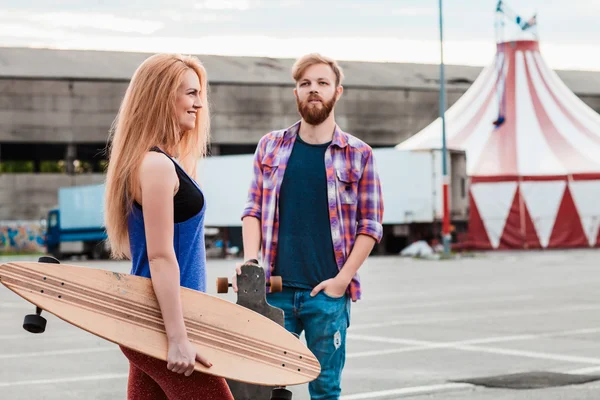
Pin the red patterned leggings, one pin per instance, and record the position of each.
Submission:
(149, 379)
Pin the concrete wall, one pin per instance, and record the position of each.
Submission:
(57, 111)
(242, 114)
(81, 112)
(30, 196)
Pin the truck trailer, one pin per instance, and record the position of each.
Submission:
(412, 192)
(76, 226)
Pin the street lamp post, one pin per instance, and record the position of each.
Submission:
(445, 178)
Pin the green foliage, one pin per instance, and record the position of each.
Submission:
(52, 167)
(16, 166)
(48, 167)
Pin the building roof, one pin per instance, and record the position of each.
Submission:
(33, 63)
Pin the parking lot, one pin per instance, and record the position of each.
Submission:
(421, 329)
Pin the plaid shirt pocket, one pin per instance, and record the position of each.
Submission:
(270, 166)
(347, 186)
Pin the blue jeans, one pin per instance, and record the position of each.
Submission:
(324, 320)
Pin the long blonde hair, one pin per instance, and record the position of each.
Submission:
(145, 119)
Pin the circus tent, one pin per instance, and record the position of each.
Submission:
(533, 155)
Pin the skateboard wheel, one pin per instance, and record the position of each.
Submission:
(34, 323)
(276, 284)
(48, 260)
(222, 285)
(281, 394)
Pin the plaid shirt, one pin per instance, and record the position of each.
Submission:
(353, 191)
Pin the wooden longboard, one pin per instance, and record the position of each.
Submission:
(241, 344)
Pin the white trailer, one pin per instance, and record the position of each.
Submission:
(411, 184)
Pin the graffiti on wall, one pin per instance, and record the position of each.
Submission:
(21, 237)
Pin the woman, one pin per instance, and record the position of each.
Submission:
(154, 213)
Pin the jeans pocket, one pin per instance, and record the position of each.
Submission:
(348, 313)
(332, 297)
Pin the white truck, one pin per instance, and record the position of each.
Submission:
(76, 226)
(411, 184)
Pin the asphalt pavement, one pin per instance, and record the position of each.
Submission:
(423, 330)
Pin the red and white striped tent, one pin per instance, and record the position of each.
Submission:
(535, 178)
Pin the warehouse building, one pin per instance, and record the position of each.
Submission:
(58, 105)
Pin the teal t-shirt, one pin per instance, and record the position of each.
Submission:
(305, 255)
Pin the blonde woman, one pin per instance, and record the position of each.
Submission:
(154, 213)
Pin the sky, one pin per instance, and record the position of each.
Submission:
(367, 30)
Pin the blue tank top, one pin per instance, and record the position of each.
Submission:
(188, 238)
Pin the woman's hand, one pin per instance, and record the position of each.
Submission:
(182, 357)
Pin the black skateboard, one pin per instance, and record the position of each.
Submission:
(252, 289)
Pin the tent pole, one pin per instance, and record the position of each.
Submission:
(445, 178)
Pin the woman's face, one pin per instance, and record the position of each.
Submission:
(188, 101)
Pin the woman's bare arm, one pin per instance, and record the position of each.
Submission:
(158, 184)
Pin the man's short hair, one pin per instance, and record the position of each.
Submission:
(311, 59)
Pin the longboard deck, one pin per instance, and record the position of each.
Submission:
(241, 344)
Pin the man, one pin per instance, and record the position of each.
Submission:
(315, 207)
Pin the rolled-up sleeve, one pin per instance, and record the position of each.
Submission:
(253, 207)
(370, 201)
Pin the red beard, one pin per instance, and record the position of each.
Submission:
(313, 114)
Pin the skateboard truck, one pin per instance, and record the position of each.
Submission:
(275, 284)
(35, 323)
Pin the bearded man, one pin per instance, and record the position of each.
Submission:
(314, 212)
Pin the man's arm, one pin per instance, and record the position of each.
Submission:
(369, 213)
(369, 231)
(251, 216)
(252, 237)
(360, 252)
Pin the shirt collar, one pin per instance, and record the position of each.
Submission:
(339, 138)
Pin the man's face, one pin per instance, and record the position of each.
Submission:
(316, 93)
